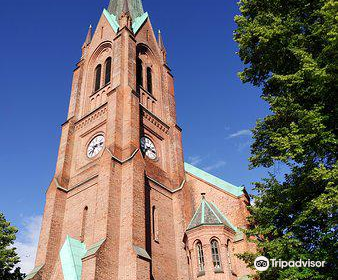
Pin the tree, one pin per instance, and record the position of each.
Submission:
(8, 255)
(290, 51)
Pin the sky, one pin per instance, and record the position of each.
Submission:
(39, 47)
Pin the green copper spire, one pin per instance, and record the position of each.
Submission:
(135, 7)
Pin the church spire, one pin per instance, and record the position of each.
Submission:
(125, 17)
(135, 7)
(125, 9)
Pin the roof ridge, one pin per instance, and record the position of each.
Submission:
(213, 180)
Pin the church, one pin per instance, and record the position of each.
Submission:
(123, 204)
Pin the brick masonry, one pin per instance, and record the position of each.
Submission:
(121, 187)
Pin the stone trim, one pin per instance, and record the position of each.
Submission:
(166, 188)
(120, 161)
(34, 272)
(155, 120)
(76, 186)
(89, 118)
(140, 252)
(93, 249)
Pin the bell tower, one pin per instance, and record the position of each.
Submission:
(120, 161)
(122, 204)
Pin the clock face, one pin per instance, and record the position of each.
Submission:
(95, 146)
(148, 148)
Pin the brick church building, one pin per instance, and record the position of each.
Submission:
(123, 205)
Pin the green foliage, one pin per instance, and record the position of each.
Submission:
(8, 256)
(290, 50)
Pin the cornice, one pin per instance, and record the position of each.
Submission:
(87, 119)
(155, 120)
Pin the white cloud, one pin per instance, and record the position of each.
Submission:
(242, 146)
(195, 160)
(214, 166)
(244, 132)
(27, 242)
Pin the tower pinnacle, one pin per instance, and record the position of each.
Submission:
(160, 41)
(89, 36)
(161, 45)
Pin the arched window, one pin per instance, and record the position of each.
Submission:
(84, 223)
(200, 257)
(107, 71)
(139, 72)
(149, 80)
(98, 77)
(216, 259)
(155, 224)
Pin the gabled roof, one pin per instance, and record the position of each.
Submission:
(208, 214)
(136, 25)
(135, 9)
(33, 272)
(71, 254)
(213, 180)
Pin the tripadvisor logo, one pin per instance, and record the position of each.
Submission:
(262, 263)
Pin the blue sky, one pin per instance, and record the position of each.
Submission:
(41, 43)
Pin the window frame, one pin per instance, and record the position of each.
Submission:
(216, 255)
(139, 72)
(107, 76)
(97, 77)
(150, 80)
(200, 258)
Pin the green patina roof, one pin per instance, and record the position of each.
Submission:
(230, 188)
(136, 11)
(93, 249)
(112, 20)
(138, 22)
(71, 255)
(208, 214)
(33, 272)
(141, 252)
(135, 8)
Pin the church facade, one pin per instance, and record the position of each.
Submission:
(123, 205)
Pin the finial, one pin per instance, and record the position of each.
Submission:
(203, 195)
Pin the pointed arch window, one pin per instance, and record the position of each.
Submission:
(200, 257)
(139, 72)
(107, 71)
(84, 223)
(149, 80)
(98, 77)
(216, 259)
